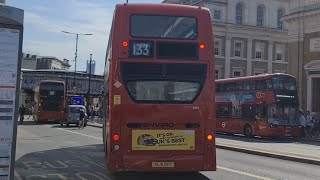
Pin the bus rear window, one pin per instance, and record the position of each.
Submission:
(170, 27)
(163, 91)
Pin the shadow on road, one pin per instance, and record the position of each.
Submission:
(82, 162)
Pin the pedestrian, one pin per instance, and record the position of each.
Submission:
(92, 115)
(82, 118)
(302, 121)
(309, 124)
(22, 112)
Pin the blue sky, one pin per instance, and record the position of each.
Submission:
(45, 19)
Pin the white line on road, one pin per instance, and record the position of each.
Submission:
(243, 173)
(219, 167)
(79, 133)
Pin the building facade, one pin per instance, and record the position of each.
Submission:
(304, 50)
(250, 35)
(29, 61)
(53, 63)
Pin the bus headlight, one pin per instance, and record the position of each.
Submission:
(116, 147)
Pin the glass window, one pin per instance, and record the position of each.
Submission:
(239, 86)
(217, 74)
(217, 47)
(284, 83)
(283, 115)
(246, 85)
(237, 73)
(280, 51)
(280, 14)
(260, 16)
(261, 84)
(163, 91)
(239, 14)
(248, 112)
(224, 111)
(217, 15)
(156, 26)
(75, 109)
(269, 84)
(238, 49)
(259, 50)
(230, 86)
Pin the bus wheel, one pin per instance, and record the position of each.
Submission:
(67, 124)
(247, 131)
(61, 124)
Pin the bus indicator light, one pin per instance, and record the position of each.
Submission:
(125, 43)
(210, 137)
(202, 46)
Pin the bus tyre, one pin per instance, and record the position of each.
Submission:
(247, 130)
(61, 124)
(67, 124)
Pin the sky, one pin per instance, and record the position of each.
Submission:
(45, 19)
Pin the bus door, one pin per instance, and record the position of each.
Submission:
(224, 111)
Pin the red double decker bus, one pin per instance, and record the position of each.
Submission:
(160, 77)
(50, 100)
(262, 105)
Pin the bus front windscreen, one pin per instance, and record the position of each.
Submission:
(283, 115)
(157, 26)
(284, 83)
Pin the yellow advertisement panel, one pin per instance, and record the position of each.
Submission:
(163, 139)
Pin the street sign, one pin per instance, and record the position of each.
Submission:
(11, 30)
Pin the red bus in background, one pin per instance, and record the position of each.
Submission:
(160, 75)
(50, 101)
(262, 105)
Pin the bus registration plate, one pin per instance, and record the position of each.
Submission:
(163, 164)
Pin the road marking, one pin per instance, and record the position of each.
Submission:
(83, 158)
(79, 133)
(243, 173)
(219, 167)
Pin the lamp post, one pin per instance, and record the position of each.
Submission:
(88, 93)
(76, 53)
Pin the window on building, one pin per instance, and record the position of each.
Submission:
(259, 50)
(280, 14)
(258, 71)
(217, 47)
(238, 49)
(260, 16)
(217, 74)
(217, 15)
(239, 13)
(237, 72)
(280, 51)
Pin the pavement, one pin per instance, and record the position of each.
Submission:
(48, 151)
(299, 150)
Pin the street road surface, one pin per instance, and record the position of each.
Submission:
(49, 151)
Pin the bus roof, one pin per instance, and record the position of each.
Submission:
(251, 78)
(158, 7)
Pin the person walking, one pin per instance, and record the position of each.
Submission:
(302, 121)
(92, 115)
(22, 112)
(309, 124)
(82, 118)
